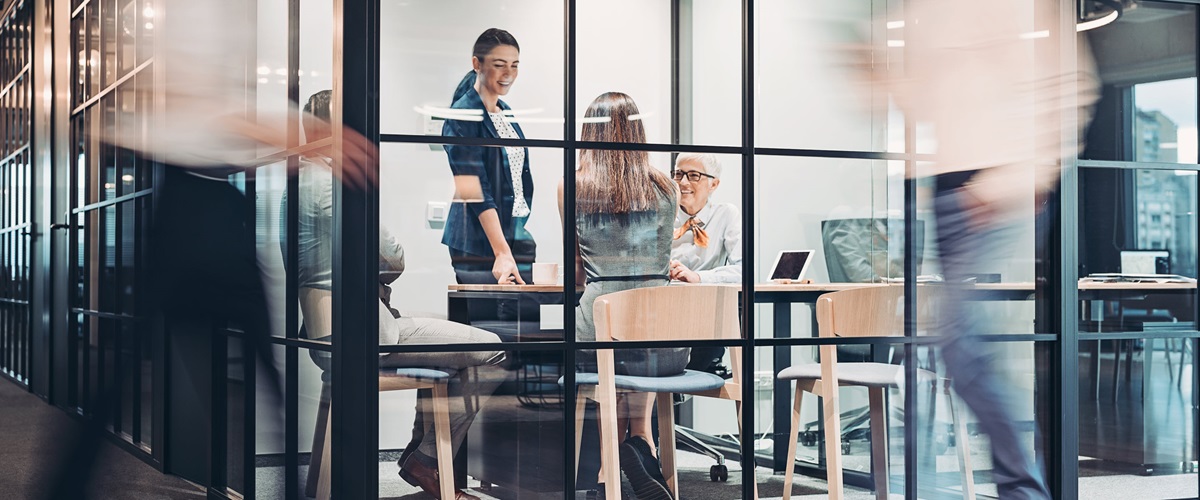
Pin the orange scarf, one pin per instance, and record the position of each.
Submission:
(697, 229)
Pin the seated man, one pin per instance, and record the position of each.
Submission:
(315, 279)
(708, 238)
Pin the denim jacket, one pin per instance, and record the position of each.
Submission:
(463, 231)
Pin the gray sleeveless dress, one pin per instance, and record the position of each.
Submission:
(627, 246)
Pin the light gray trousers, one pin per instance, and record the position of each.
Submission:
(475, 375)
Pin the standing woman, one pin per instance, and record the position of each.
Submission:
(623, 218)
(486, 233)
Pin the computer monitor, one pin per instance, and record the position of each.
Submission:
(1145, 262)
(857, 250)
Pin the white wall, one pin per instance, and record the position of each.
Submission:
(425, 51)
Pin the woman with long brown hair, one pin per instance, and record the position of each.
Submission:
(624, 220)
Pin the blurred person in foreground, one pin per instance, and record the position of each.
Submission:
(202, 247)
(1001, 101)
(474, 373)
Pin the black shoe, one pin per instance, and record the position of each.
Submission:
(643, 471)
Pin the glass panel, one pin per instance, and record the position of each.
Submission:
(691, 99)
(1148, 107)
(316, 54)
(270, 85)
(432, 213)
(951, 436)
(1164, 128)
(1136, 429)
(425, 51)
(774, 409)
(841, 41)
(1138, 253)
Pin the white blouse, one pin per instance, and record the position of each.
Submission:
(516, 164)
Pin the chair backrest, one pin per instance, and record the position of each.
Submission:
(679, 312)
(863, 312)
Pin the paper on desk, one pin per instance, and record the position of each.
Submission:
(1135, 278)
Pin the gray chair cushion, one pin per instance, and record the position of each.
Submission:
(417, 373)
(865, 374)
(688, 381)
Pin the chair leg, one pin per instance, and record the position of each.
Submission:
(666, 441)
(833, 441)
(441, 431)
(964, 451)
(742, 433)
(324, 488)
(581, 396)
(793, 435)
(318, 444)
(1168, 345)
(879, 441)
(610, 470)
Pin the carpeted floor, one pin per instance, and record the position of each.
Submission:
(34, 435)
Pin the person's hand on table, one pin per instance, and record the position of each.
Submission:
(505, 270)
(682, 273)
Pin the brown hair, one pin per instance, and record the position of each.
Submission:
(616, 181)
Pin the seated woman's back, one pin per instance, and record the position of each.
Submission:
(624, 221)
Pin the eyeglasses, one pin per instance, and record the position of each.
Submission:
(692, 175)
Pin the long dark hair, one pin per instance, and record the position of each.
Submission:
(615, 181)
(488, 40)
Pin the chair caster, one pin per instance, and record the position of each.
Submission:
(845, 447)
(718, 473)
(808, 438)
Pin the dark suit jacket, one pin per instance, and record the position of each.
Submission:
(463, 231)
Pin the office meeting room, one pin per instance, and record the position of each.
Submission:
(636, 249)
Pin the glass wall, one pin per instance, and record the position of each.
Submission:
(1137, 259)
(110, 337)
(636, 151)
(16, 216)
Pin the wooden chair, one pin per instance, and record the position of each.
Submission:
(873, 312)
(685, 312)
(317, 307)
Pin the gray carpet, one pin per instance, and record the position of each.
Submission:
(35, 435)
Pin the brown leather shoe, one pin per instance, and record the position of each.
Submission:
(414, 472)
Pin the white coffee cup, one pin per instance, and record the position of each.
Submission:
(545, 273)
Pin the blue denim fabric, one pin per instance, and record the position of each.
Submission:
(970, 362)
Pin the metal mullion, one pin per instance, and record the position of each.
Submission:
(911, 466)
(1196, 297)
(291, 382)
(1137, 165)
(840, 153)
(749, 486)
(570, 241)
(1062, 279)
(136, 383)
(354, 409)
(17, 77)
(101, 93)
(557, 144)
(79, 8)
(112, 201)
(251, 344)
